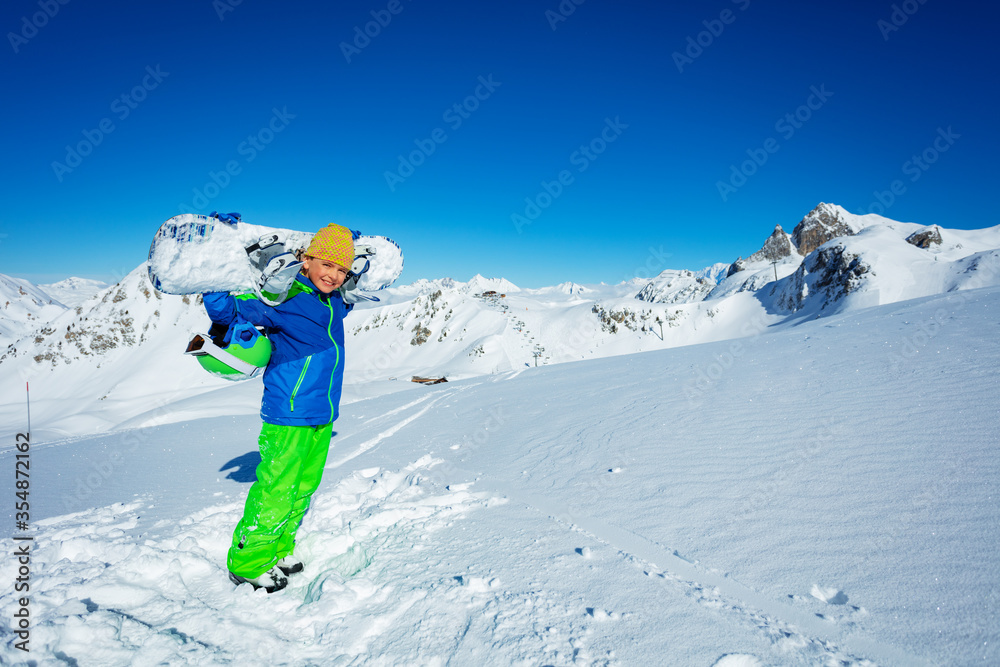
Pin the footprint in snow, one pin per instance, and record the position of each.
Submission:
(602, 615)
(737, 660)
(828, 595)
(477, 584)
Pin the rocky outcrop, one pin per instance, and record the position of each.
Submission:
(736, 266)
(777, 246)
(614, 319)
(822, 224)
(825, 277)
(925, 238)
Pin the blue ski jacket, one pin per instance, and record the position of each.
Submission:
(304, 378)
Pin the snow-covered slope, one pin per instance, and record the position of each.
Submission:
(72, 292)
(822, 493)
(23, 308)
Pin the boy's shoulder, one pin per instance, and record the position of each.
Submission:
(302, 288)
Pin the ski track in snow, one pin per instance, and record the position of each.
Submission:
(392, 430)
(401, 408)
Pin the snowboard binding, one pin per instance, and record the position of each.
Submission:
(363, 254)
(274, 268)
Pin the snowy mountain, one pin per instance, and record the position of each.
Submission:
(676, 287)
(883, 261)
(815, 493)
(563, 288)
(73, 291)
(714, 273)
(119, 354)
(113, 357)
(23, 309)
(478, 284)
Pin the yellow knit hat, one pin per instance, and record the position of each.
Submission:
(334, 243)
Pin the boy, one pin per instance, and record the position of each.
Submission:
(302, 387)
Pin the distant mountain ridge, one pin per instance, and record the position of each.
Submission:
(72, 292)
(23, 308)
(122, 348)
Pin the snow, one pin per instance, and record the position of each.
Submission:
(23, 307)
(713, 273)
(829, 497)
(791, 471)
(73, 292)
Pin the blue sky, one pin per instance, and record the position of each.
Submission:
(622, 122)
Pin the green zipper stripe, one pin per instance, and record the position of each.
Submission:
(329, 390)
(302, 376)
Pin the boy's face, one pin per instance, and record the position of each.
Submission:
(324, 274)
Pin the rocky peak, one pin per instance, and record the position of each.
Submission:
(823, 223)
(777, 246)
(824, 277)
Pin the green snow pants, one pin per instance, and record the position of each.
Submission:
(291, 466)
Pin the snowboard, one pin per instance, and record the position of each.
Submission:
(194, 254)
